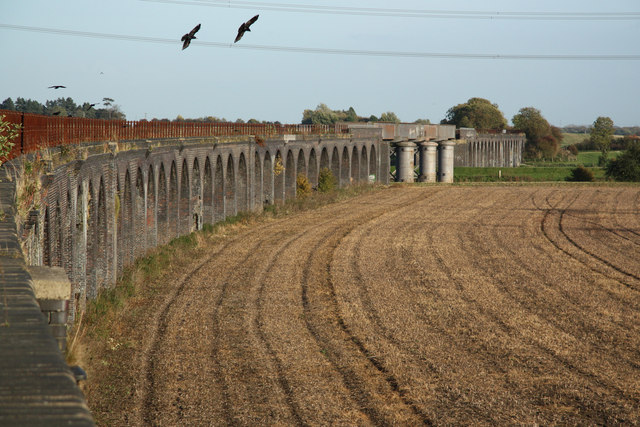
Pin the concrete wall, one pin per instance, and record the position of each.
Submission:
(490, 150)
(37, 388)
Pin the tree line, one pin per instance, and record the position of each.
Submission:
(66, 107)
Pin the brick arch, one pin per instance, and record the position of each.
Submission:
(184, 215)
(301, 164)
(290, 176)
(46, 238)
(68, 249)
(257, 182)
(163, 206)
(241, 185)
(119, 228)
(373, 163)
(230, 188)
(101, 262)
(354, 176)
(278, 178)
(364, 165)
(207, 193)
(335, 163)
(139, 245)
(79, 276)
(267, 180)
(196, 196)
(92, 243)
(59, 230)
(127, 220)
(172, 217)
(218, 190)
(313, 168)
(344, 167)
(150, 217)
(324, 159)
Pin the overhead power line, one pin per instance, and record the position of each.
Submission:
(326, 51)
(408, 13)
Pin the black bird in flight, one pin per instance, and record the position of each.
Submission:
(245, 27)
(91, 106)
(189, 36)
(56, 87)
(55, 113)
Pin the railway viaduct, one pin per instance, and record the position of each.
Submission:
(73, 216)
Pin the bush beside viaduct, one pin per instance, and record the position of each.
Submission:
(103, 204)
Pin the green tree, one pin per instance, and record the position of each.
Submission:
(8, 104)
(29, 106)
(351, 115)
(626, 167)
(543, 140)
(326, 180)
(601, 136)
(389, 117)
(322, 115)
(477, 113)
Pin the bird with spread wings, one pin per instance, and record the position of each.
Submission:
(245, 27)
(186, 39)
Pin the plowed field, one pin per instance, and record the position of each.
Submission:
(488, 305)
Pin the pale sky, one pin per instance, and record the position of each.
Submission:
(496, 49)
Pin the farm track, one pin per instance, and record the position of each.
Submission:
(412, 305)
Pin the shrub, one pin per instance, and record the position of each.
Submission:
(573, 149)
(8, 132)
(326, 181)
(303, 187)
(626, 167)
(581, 174)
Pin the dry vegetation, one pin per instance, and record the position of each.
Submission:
(485, 305)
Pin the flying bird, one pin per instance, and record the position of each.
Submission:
(56, 87)
(55, 113)
(189, 36)
(91, 106)
(245, 27)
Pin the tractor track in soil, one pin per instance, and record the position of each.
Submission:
(412, 305)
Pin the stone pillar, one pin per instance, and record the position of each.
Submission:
(404, 157)
(428, 160)
(445, 160)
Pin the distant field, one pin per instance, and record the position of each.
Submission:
(590, 158)
(522, 173)
(573, 138)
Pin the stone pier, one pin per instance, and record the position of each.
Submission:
(428, 160)
(405, 167)
(445, 160)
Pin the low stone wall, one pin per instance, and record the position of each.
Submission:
(36, 385)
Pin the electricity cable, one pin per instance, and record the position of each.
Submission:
(407, 13)
(326, 51)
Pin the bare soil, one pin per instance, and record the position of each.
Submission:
(483, 305)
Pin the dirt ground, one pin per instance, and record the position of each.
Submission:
(481, 305)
